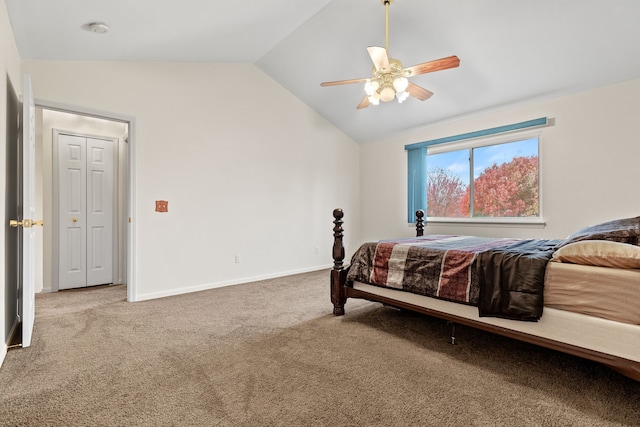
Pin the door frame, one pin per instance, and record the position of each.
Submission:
(131, 187)
(55, 223)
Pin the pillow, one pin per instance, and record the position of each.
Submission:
(600, 253)
(620, 230)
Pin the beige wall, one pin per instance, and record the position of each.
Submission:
(589, 161)
(247, 168)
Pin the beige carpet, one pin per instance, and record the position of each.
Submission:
(271, 354)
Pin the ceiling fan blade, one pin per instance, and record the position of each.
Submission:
(436, 65)
(364, 103)
(379, 57)
(419, 92)
(343, 82)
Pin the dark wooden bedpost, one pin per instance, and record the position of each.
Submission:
(338, 273)
(419, 223)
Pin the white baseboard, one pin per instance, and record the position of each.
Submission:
(207, 286)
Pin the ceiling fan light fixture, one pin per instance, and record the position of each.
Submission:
(389, 77)
(371, 86)
(387, 94)
(400, 84)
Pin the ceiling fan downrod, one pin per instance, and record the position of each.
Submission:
(386, 4)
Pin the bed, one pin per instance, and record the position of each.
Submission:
(580, 295)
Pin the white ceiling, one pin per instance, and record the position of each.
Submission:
(512, 52)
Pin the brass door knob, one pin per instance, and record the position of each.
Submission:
(25, 223)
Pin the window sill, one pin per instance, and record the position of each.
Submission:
(501, 222)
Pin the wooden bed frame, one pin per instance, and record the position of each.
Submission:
(341, 290)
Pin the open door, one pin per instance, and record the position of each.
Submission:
(26, 292)
(28, 210)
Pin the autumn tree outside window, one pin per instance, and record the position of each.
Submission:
(485, 181)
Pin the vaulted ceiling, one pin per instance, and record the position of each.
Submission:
(511, 52)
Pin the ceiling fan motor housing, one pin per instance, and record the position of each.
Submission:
(388, 81)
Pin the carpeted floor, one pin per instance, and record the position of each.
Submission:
(271, 354)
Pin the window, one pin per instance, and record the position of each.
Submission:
(484, 181)
(486, 176)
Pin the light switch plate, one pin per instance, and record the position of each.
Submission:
(162, 206)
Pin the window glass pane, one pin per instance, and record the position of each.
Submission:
(448, 184)
(505, 178)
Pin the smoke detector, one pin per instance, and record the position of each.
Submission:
(96, 27)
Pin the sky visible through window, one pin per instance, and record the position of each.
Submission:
(457, 162)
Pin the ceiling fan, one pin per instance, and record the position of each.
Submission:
(389, 78)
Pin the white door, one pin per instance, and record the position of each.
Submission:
(100, 215)
(28, 211)
(85, 211)
(72, 153)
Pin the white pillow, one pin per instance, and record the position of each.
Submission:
(601, 253)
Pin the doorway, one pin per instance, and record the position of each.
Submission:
(113, 262)
(14, 295)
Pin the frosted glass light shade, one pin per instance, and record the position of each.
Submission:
(374, 99)
(387, 94)
(400, 84)
(371, 86)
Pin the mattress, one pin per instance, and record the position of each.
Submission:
(609, 293)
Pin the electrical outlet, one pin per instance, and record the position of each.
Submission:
(317, 250)
(237, 259)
